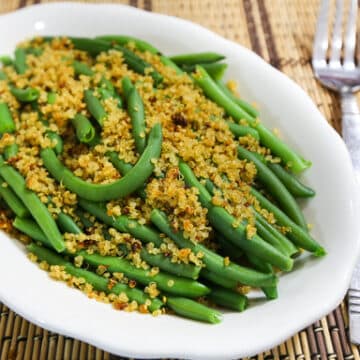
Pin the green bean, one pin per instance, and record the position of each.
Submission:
(228, 299)
(54, 137)
(95, 141)
(20, 61)
(259, 264)
(294, 186)
(169, 63)
(219, 279)
(265, 234)
(122, 166)
(67, 224)
(94, 106)
(85, 221)
(215, 70)
(138, 65)
(85, 132)
(217, 95)
(37, 209)
(91, 46)
(33, 51)
(7, 124)
(104, 94)
(166, 282)
(269, 291)
(81, 68)
(2, 75)
(48, 39)
(107, 90)
(241, 130)
(164, 263)
(137, 295)
(210, 187)
(240, 102)
(228, 248)
(124, 40)
(279, 148)
(223, 222)
(11, 151)
(267, 138)
(213, 261)
(30, 228)
(107, 84)
(285, 243)
(51, 97)
(51, 258)
(96, 46)
(119, 188)
(299, 236)
(275, 187)
(127, 85)
(14, 203)
(25, 95)
(6, 60)
(190, 179)
(98, 282)
(193, 310)
(136, 111)
(145, 234)
(196, 58)
(122, 223)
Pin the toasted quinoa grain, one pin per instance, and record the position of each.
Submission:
(152, 290)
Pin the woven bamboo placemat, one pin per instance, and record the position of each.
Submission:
(281, 31)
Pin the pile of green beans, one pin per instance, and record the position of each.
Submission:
(98, 282)
(267, 137)
(219, 276)
(274, 187)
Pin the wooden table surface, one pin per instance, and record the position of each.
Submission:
(281, 31)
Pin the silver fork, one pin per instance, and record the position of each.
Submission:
(341, 74)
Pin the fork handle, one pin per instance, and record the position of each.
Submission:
(351, 127)
(351, 136)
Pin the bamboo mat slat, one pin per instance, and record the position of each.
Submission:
(281, 31)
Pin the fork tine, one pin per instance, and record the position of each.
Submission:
(321, 36)
(336, 43)
(350, 37)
